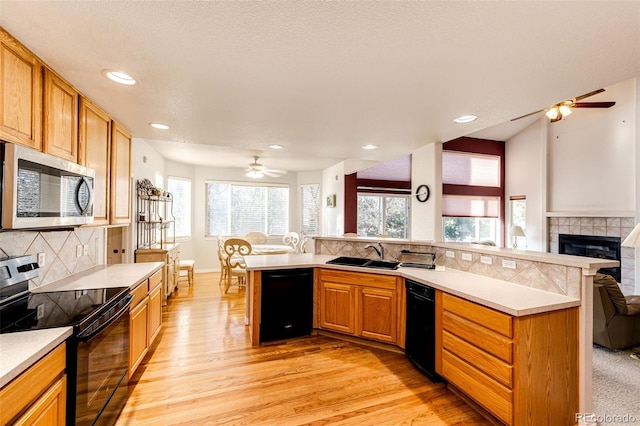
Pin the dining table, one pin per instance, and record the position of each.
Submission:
(271, 249)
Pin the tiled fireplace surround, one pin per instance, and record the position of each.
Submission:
(602, 227)
(544, 276)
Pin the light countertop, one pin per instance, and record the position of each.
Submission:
(513, 299)
(20, 350)
(104, 276)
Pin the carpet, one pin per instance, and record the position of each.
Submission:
(616, 386)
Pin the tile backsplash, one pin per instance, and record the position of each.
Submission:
(64, 250)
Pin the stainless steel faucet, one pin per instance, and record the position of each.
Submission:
(380, 250)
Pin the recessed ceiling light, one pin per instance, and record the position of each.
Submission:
(465, 119)
(159, 126)
(369, 146)
(119, 77)
(276, 146)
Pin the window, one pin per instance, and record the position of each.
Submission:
(473, 193)
(180, 189)
(310, 209)
(383, 215)
(238, 208)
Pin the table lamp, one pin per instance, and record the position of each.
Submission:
(517, 231)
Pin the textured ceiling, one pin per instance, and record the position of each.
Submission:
(325, 78)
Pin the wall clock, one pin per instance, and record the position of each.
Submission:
(422, 193)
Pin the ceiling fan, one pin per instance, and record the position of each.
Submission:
(562, 109)
(258, 171)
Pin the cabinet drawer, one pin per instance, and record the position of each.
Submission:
(484, 390)
(489, 318)
(494, 367)
(485, 339)
(359, 278)
(139, 293)
(155, 279)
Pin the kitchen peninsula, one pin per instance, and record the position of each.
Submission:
(521, 286)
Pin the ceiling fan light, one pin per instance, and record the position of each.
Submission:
(553, 113)
(255, 174)
(565, 110)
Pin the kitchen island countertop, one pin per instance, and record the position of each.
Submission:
(510, 298)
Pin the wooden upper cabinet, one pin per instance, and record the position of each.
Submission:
(94, 151)
(120, 175)
(21, 91)
(60, 128)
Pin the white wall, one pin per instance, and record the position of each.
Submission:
(426, 169)
(526, 174)
(333, 217)
(592, 157)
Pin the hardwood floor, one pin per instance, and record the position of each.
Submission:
(204, 371)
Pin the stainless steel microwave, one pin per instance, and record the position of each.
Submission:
(43, 191)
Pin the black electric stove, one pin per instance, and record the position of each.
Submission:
(98, 349)
(23, 310)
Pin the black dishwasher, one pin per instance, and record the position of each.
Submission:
(420, 338)
(286, 308)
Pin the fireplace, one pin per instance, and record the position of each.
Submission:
(592, 246)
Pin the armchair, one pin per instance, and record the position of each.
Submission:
(616, 318)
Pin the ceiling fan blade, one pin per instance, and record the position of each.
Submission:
(593, 105)
(274, 173)
(586, 95)
(526, 115)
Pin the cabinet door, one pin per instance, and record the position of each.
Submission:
(120, 175)
(377, 314)
(155, 312)
(21, 88)
(95, 152)
(337, 307)
(60, 133)
(49, 409)
(138, 335)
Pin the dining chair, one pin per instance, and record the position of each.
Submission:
(256, 237)
(292, 239)
(234, 250)
(222, 258)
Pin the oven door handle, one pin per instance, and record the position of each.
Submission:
(92, 332)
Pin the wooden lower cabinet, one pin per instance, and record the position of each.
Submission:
(170, 255)
(37, 396)
(338, 306)
(523, 370)
(145, 319)
(360, 304)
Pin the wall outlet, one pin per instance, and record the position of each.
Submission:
(450, 254)
(85, 250)
(509, 264)
(467, 256)
(487, 260)
(79, 250)
(42, 260)
(40, 311)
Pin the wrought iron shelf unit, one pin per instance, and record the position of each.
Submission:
(155, 222)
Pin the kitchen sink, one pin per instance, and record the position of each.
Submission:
(364, 262)
(382, 264)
